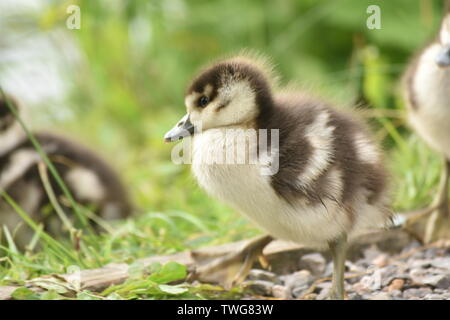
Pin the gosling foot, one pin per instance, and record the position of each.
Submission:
(232, 268)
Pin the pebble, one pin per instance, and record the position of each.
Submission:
(355, 296)
(313, 262)
(298, 282)
(396, 285)
(441, 262)
(310, 296)
(259, 287)
(281, 292)
(430, 277)
(381, 261)
(381, 296)
(323, 295)
(360, 288)
(371, 253)
(433, 296)
(396, 293)
(258, 274)
(416, 293)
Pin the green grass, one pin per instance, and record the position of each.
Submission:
(127, 89)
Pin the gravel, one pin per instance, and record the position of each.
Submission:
(416, 273)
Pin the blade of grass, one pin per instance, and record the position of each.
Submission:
(9, 239)
(62, 251)
(51, 195)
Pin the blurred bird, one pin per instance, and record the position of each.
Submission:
(89, 178)
(330, 183)
(427, 93)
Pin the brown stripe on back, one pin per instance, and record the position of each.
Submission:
(357, 175)
(291, 116)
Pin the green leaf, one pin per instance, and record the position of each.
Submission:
(169, 272)
(172, 289)
(52, 283)
(136, 270)
(114, 296)
(87, 295)
(52, 295)
(25, 294)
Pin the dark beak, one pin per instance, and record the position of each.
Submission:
(183, 128)
(443, 58)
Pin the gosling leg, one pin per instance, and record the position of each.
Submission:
(243, 259)
(440, 215)
(338, 250)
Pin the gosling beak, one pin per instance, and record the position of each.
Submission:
(443, 58)
(182, 129)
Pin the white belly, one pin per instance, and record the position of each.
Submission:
(434, 130)
(432, 92)
(249, 192)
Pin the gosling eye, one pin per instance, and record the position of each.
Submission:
(203, 101)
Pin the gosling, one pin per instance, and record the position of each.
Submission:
(427, 95)
(92, 182)
(319, 181)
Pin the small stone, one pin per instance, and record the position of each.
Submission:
(355, 296)
(444, 282)
(259, 287)
(313, 262)
(328, 270)
(298, 292)
(396, 284)
(323, 295)
(433, 296)
(395, 293)
(324, 284)
(298, 282)
(412, 245)
(441, 262)
(351, 267)
(420, 264)
(431, 253)
(381, 296)
(310, 296)
(371, 253)
(387, 274)
(360, 288)
(281, 292)
(373, 281)
(381, 260)
(430, 277)
(416, 293)
(258, 274)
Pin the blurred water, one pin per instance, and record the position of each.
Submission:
(35, 63)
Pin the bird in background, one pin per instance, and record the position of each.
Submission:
(90, 179)
(427, 94)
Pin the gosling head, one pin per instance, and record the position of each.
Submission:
(443, 57)
(232, 92)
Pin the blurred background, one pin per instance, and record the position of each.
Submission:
(117, 85)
